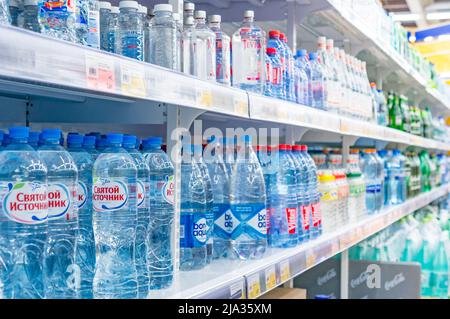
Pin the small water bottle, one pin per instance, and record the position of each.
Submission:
(131, 30)
(223, 53)
(163, 38)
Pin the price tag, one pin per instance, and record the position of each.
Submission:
(241, 107)
(237, 290)
(132, 80)
(205, 97)
(271, 278)
(253, 286)
(100, 72)
(285, 270)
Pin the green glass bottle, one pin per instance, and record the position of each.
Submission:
(425, 172)
(395, 113)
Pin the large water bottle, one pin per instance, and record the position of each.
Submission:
(279, 75)
(249, 46)
(62, 274)
(23, 219)
(220, 184)
(188, 60)
(303, 198)
(93, 36)
(14, 8)
(179, 24)
(85, 257)
(131, 30)
(115, 219)
(162, 192)
(439, 277)
(369, 169)
(277, 87)
(193, 222)
(104, 11)
(30, 16)
(163, 38)
(143, 213)
(58, 19)
(113, 31)
(223, 54)
(283, 202)
(289, 72)
(248, 205)
(317, 82)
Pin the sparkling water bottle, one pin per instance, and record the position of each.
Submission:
(23, 219)
(58, 19)
(249, 46)
(162, 192)
(30, 16)
(62, 274)
(85, 257)
(131, 30)
(104, 11)
(113, 31)
(163, 38)
(248, 205)
(223, 46)
(115, 219)
(143, 213)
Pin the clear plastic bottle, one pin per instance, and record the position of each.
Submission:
(85, 253)
(289, 76)
(23, 220)
(188, 9)
(143, 214)
(248, 205)
(394, 179)
(301, 82)
(277, 85)
(370, 170)
(249, 46)
(317, 82)
(327, 71)
(93, 24)
(188, 60)
(205, 49)
(304, 195)
(143, 12)
(230, 154)
(179, 24)
(268, 87)
(223, 54)
(104, 12)
(328, 201)
(115, 220)
(439, 277)
(58, 19)
(335, 91)
(381, 174)
(163, 38)
(30, 16)
(131, 30)
(113, 31)
(313, 184)
(357, 196)
(343, 197)
(62, 274)
(303, 63)
(160, 230)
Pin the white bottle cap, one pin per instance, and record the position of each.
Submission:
(162, 7)
(215, 18)
(330, 43)
(249, 14)
(200, 14)
(115, 10)
(104, 5)
(129, 4)
(189, 6)
(30, 3)
(321, 40)
(143, 9)
(176, 16)
(189, 21)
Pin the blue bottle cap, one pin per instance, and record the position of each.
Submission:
(34, 137)
(19, 132)
(75, 139)
(129, 141)
(51, 134)
(153, 141)
(302, 53)
(114, 138)
(395, 152)
(89, 140)
(312, 56)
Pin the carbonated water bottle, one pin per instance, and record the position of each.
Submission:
(131, 30)
(62, 274)
(163, 38)
(104, 11)
(58, 19)
(85, 257)
(160, 230)
(115, 220)
(223, 46)
(248, 205)
(30, 16)
(143, 214)
(249, 46)
(23, 219)
(113, 31)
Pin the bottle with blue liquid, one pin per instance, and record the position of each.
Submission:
(131, 30)
(143, 213)
(23, 219)
(160, 229)
(85, 257)
(62, 274)
(115, 219)
(248, 204)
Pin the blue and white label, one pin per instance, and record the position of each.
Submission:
(133, 44)
(109, 194)
(60, 201)
(142, 189)
(223, 223)
(193, 230)
(252, 220)
(371, 188)
(81, 194)
(93, 37)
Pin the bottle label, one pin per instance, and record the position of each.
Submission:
(81, 194)
(142, 189)
(109, 194)
(25, 203)
(305, 218)
(291, 215)
(252, 220)
(93, 38)
(168, 190)
(371, 188)
(330, 195)
(60, 201)
(316, 216)
(223, 221)
(277, 75)
(132, 44)
(193, 230)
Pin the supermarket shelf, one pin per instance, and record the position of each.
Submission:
(250, 279)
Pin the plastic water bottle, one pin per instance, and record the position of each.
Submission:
(115, 220)
(33, 139)
(289, 72)
(278, 87)
(14, 11)
(303, 198)
(248, 209)
(380, 180)
(405, 175)
(188, 9)
(303, 60)
(301, 81)
(81, 25)
(143, 213)
(393, 179)
(104, 12)
(93, 23)
(30, 16)
(193, 221)
(369, 169)
(328, 201)
(269, 166)
(317, 82)
(23, 219)
(283, 202)
(62, 274)
(58, 19)
(113, 31)
(131, 30)
(268, 85)
(188, 60)
(249, 46)
(162, 192)
(439, 277)
(163, 38)
(179, 25)
(85, 257)
(205, 49)
(223, 47)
